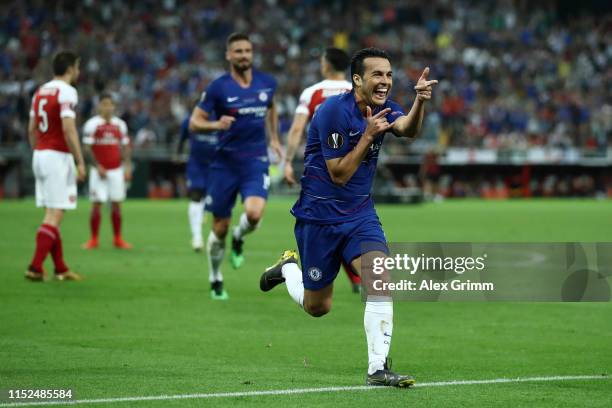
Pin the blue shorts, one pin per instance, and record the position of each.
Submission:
(249, 179)
(324, 246)
(197, 174)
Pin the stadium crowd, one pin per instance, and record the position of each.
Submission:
(513, 74)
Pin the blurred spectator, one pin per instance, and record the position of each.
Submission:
(513, 73)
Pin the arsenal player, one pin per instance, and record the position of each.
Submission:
(108, 147)
(53, 135)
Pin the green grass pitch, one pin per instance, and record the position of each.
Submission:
(142, 322)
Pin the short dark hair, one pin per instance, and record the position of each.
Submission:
(358, 58)
(233, 37)
(337, 58)
(64, 60)
(107, 95)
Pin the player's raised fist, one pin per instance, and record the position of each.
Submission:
(424, 86)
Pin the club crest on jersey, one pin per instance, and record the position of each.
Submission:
(315, 274)
(335, 140)
(263, 96)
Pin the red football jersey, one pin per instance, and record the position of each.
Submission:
(315, 95)
(105, 139)
(53, 101)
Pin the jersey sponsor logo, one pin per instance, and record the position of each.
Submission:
(263, 96)
(107, 138)
(351, 134)
(315, 274)
(335, 140)
(231, 99)
(255, 110)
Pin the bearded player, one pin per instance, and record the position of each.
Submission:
(334, 63)
(242, 101)
(53, 134)
(108, 147)
(335, 216)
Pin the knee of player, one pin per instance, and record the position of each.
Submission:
(318, 309)
(220, 228)
(254, 216)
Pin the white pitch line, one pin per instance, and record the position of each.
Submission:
(301, 391)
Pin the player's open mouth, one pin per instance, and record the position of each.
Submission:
(381, 93)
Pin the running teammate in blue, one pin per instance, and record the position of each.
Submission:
(336, 219)
(201, 150)
(242, 100)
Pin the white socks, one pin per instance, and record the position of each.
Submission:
(244, 227)
(196, 216)
(378, 323)
(293, 280)
(215, 249)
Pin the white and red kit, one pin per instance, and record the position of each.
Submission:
(106, 139)
(53, 164)
(315, 95)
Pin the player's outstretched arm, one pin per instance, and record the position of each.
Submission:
(410, 125)
(72, 140)
(293, 141)
(342, 169)
(199, 121)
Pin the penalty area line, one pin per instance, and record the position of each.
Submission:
(302, 391)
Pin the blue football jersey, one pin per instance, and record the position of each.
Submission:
(334, 131)
(246, 138)
(201, 145)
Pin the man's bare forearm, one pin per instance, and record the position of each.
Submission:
(32, 133)
(75, 148)
(272, 123)
(126, 157)
(293, 140)
(88, 153)
(72, 140)
(295, 136)
(411, 124)
(199, 124)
